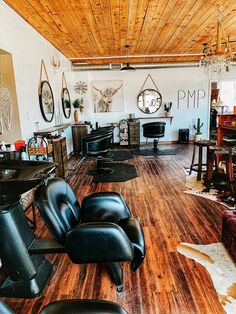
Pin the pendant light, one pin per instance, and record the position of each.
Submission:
(127, 67)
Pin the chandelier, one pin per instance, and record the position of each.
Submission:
(217, 55)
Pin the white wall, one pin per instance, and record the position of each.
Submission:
(169, 81)
(28, 48)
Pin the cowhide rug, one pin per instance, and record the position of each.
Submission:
(221, 268)
(195, 187)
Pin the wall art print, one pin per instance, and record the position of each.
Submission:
(5, 108)
(108, 96)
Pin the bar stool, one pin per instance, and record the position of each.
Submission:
(198, 167)
(227, 155)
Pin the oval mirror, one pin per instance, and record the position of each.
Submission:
(66, 103)
(149, 100)
(46, 101)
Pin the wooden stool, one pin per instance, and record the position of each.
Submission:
(225, 154)
(198, 167)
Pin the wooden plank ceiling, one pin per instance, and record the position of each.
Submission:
(89, 30)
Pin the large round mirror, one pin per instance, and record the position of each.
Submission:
(46, 101)
(149, 100)
(66, 103)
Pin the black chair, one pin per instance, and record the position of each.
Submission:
(103, 129)
(75, 307)
(98, 144)
(83, 307)
(154, 130)
(101, 230)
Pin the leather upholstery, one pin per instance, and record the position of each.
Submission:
(58, 207)
(83, 307)
(154, 129)
(229, 232)
(97, 143)
(104, 206)
(100, 231)
(103, 129)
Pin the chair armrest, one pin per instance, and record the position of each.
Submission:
(98, 242)
(134, 232)
(104, 206)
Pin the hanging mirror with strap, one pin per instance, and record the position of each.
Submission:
(149, 100)
(46, 100)
(65, 98)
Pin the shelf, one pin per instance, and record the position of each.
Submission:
(52, 129)
(227, 127)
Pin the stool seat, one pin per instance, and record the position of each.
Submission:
(154, 130)
(199, 166)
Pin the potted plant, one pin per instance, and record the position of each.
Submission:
(167, 108)
(198, 130)
(78, 104)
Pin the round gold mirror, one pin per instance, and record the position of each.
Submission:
(149, 100)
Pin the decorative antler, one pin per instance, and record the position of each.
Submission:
(55, 63)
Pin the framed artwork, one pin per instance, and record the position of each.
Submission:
(66, 103)
(46, 101)
(108, 96)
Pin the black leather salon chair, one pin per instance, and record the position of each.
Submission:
(83, 307)
(101, 230)
(154, 130)
(103, 129)
(75, 307)
(98, 144)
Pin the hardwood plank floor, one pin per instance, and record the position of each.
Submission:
(167, 282)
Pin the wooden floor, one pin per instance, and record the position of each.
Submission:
(167, 282)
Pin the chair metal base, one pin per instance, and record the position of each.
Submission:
(29, 288)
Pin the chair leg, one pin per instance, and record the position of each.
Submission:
(193, 158)
(155, 142)
(117, 275)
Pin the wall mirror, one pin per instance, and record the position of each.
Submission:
(46, 101)
(66, 102)
(149, 100)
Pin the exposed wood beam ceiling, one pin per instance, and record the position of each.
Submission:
(88, 30)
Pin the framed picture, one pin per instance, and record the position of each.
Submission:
(66, 103)
(108, 96)
(46, 101)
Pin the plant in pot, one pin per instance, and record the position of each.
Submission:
(167, 108)
(78, 104)
(198, 127)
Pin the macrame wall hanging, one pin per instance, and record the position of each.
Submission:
(5, 107)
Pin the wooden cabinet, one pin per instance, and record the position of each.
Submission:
(59, 154)
(226, 132)
(134, 132)
(129, 132)
(78, 132)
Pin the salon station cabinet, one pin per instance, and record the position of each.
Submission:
(56, 150)
(78, 132)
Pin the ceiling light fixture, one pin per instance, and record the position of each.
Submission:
(127, 67)
(217, 55)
